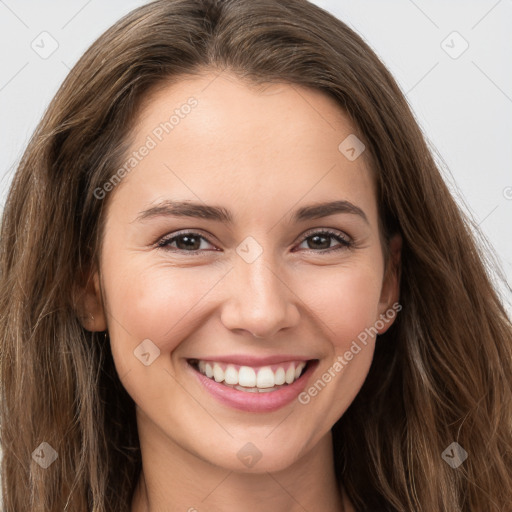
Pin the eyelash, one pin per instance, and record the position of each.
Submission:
(344, 242)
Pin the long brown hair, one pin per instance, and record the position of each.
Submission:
(441, 374)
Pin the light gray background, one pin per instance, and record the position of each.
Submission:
(463, 104)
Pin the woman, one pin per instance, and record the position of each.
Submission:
(173, 338)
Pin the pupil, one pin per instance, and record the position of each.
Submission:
(188, 244)
(315, 238)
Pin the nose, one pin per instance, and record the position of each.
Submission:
(259, 301)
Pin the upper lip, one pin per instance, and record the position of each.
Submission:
(246, 360)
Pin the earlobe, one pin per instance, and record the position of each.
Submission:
(89, 305)
(390, 293)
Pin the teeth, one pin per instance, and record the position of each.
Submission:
(231, 375)
(290, 374)
(218, 373)
(246, 378)
(265, 378)
(279, 377)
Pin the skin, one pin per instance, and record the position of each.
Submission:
(261, 152)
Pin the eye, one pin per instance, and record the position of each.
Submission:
(322, 240)
(189, 241)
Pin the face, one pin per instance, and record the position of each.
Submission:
(250, 280)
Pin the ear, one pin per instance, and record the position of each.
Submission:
(89, 303)
(390, 293)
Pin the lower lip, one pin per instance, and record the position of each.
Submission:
(255, 402)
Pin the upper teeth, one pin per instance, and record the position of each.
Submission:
(263, 377)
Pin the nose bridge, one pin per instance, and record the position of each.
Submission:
(261, 283)
(259, 300)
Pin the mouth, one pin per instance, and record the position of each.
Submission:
(252, 379)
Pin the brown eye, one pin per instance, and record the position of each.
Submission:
(186, 242)
(320, 241)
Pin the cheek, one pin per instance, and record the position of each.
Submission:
(344, 300)
(345, 304)
(157, 302)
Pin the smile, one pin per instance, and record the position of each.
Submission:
(261, 379)
(251, 384)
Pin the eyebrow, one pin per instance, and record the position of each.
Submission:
(171, 208)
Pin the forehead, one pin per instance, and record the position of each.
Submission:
(216, 137)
